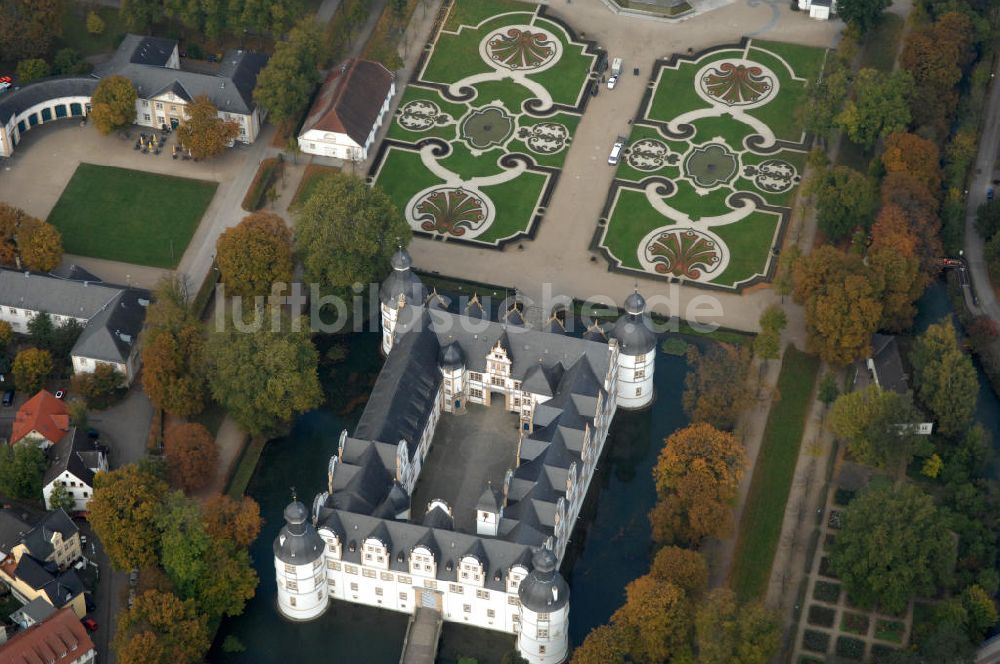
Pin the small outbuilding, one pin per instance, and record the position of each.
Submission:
(348, 111)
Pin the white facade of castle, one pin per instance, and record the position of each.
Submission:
(503, 576)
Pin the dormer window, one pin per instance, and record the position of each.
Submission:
(471, 570)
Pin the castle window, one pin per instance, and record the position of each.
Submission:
(378, 592)
(455, 588)
(482, 594)
(640, 373)
(289, 569)
(319, 594)
(498, 381)
(467, 608)
(490, 613)
(354, 587)
(292, 585)
(541, 650)
(640, 358)
(474, 375)
(333, 564)
(513, 600)
(543, 633)
(405, 579)
(475, 394)
(402, 597)
(291, 600)
(638, 391)
(368, 573)
(385, 576)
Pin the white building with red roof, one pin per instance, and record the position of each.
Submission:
(60, 639)
(348, 111)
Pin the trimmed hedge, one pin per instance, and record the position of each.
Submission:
(268, 172)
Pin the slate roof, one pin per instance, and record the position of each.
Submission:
(448, 546)
(298, 543)
(34, 611)
(142, 60)
(59, 587)
(405, 392)
(113, 333)
(77, 453)
(14, 102)
(12, 530)
(350, 99)
(54, 295)
(42, 413)
(888, 364)
(39, 539)
(60, 638)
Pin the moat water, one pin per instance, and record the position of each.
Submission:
(609, 547)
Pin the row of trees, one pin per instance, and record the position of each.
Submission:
(668, 615)
(196, 552)
(285, 85)
(873, 284)
(213, 18)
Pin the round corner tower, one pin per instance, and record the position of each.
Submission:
(636, 355)
(544, 599)
(400, 288)
(298, 566)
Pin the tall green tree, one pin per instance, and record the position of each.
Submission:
(945, 378)
(845, 200)
(826, 97)
(346, 232)
(285, 85)
(862, 14)
(139, 14)
(874, 422)
(61, 498)
(263, 377)
(21, 469)
(32, 69)
(32, 367)
(880, 106)
(894, 545)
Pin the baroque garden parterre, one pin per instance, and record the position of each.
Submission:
(712, 166)
(475, 148)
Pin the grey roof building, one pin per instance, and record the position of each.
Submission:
(499, 517)
(112, 315)
(152, 64)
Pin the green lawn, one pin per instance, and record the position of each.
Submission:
(471, 12)
(130, 216)
(749, 241)
(764, 511)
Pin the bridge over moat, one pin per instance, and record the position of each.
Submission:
(422, 635)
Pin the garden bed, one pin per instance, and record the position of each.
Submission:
(821, 616)
(267, 174)
(855, 623)
(815, 641)
(889, 630)
(825, 591)
(850, 648)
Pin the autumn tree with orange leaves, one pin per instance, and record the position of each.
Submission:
(191, 455)
(255, 254)
(161, 629)
(28, 243)
(697, 474)
(916, 156)
(893, 260)
(842, 302)
(203, 132)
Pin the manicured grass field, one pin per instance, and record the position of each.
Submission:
(130, 216)
(760, 526)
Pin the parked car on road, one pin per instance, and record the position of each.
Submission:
(616, 150)
(60, 394)
(90, 624)
(8, 398)
(5, 82)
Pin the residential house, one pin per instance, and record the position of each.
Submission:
(29, 579)
(112, 316)
(32, 613)
(59, 639)
(73, 463)
(348, 111)
(55, 539)
(42, 420)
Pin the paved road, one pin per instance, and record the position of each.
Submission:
(988, 146)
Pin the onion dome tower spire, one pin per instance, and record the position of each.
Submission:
(636, 353)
